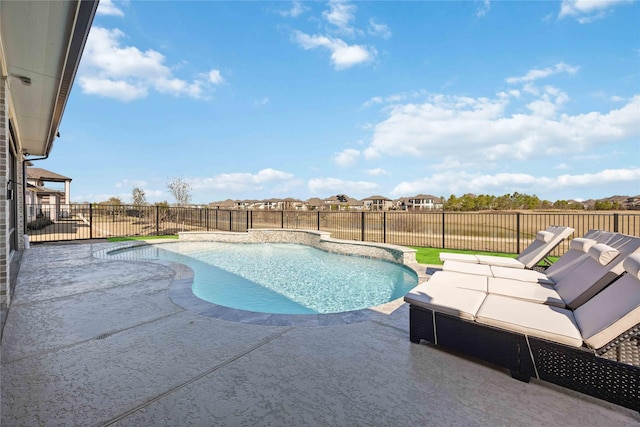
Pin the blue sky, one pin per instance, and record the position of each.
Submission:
(257, 100)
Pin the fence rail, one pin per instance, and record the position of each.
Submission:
(483, 231)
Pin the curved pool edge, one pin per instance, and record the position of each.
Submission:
(318, 239)
(181, 293)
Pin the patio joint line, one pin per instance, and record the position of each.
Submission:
(197, 377)
(96, 338)
(377, 322)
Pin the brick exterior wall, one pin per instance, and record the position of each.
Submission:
(4, 204)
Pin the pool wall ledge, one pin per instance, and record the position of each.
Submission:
(319, 239)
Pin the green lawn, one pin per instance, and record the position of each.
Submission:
(432, 255)
(124, 239)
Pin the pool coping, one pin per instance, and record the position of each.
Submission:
(181, 293)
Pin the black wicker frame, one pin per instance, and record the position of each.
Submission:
(579, 369)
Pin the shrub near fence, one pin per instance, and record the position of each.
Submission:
(508, 232)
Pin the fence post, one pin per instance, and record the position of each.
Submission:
(443, 228)
(90, 221)
(517, 232)
(318, 219)
(362, 227)
(247, 212)
(282, 219)
(616, 219)
(230, 221)
(384, 227)
(251, 221)
(157, 220)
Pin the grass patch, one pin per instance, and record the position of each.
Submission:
(125, 239)
(432, 255)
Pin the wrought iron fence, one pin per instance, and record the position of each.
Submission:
(482, 231)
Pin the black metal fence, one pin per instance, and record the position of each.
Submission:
(483, 231)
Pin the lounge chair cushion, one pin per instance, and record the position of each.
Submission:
(614, 310)
(521, 275)
(581, 244)
(544, 236)
(467, 268)
(533, 292)
(632, 265)
(459, 280)
(602, 253)
(447, 299)
(446, 256)
(537, 320)
(500, 261)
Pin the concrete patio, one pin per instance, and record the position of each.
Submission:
(92, 341)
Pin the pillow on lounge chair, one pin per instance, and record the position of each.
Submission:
(602, 253)
(581, 244)
(545, 236)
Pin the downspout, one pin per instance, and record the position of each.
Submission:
(24, 186)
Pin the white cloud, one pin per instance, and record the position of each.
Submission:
(120, 90)
(242, 181)
(107, 8)
(296, 10)
(343, 55)
(347, 157)
(461, 182)
(126, 183)
(127, 73)
(215, 77)
(323, 186)
(533, 75)
(483, 9)
(586, 11)
(480, 130)
(376, 29)
(377, 172)
(340, 14)
(261, 102)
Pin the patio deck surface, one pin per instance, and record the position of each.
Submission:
(92, 341)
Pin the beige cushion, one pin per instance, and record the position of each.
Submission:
(544, 236)
(459, 280)
(443, 298)
(534, 292)
(632, 265)
(536, 320)
(521, 275)
(613, 311)
(446, 256)
(500, 261)
(602, 253)
(467, 268)
(581, 244)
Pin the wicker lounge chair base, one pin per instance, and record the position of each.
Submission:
(578, 369)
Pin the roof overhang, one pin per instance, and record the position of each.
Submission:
(42, 42)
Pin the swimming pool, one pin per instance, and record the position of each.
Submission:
(281, 278)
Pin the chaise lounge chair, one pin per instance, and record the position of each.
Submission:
(563, 267)
(593, 349)
(544, 243)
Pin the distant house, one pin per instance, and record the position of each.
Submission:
(632, 203)
(43, 201)
(377, 203)
(424, 202)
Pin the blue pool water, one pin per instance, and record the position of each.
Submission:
(282, 278)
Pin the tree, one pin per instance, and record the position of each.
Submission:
(180, 190)
(113, 201)
(138, 196)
